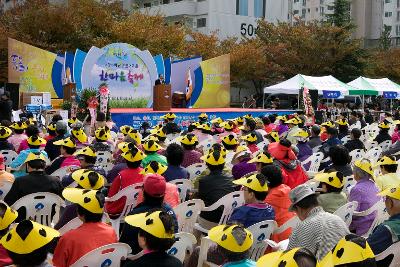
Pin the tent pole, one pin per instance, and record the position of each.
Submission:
(363, 102)
(298, 100)
(263, 99)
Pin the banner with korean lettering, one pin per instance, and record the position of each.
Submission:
(31, 67)
(128, 72)
(390, 95)
(331, 94)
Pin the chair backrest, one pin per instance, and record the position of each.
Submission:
(345, 139)
(291, 223)
(131, 193)
(103, 157)
(206, 144)
(9, 156)
(373, 154)
(39, 207)
(187, 213)
(357, 154)
(393, 250)
(184, 186)
(196, 169)
(184, 243)
(346, 212)
(385, 145)
(315, 161)
(370, 144)
(229, 202)
(349, 182)
(381, 215)
(60, 173)
(109, 255)
(72, 224)
(261, 231)
(4, 188)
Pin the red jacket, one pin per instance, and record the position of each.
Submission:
(278, 198)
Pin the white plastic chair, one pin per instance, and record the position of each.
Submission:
(261, 231)
(357, 154)
(103, 157)
(4, 189)
(380, 216)
(393, 250)
(9, 156)
(385, 145)
(131, 194)
(373, 154)
(39, 207)
(72, 224)
(370, 144)
(187, 213)
(195, 170)
(109, 255)
(262, 144)
(229, 202)
(315, 161)
(346, 212)
(349, 183)
(184, 186)
(345, 139)
(292, 223)
(60, 173)
(205, 244)
(184, 243)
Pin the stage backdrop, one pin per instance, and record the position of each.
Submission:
(129, 73)
(31, 67)
(215, 88)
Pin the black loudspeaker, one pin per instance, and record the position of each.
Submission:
(13, 88)
(314, 98)
(319, 117)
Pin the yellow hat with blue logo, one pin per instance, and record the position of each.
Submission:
(365, 165)
(393, 192)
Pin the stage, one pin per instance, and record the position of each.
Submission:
(185, 116)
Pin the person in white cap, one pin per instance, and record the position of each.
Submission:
(318, 231)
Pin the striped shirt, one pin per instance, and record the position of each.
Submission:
(319, 232)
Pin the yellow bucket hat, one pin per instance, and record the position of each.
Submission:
(222, 150)
(8, 217)
(252, 138)
(170, 116)
(232, 237)
(334, 179)
(230, 140)
(203, 116)
(214, 158)
(279, 258)
(364, 165)
(217, 120)
(102, 134)
(328, 124)
(86, 151)
(393, 192)
(301, 133)
(67, 142)
(294, 121)
(161, 133)
(239, 120)
(85, 179)
(248, 116)
(36, 141)
(151, 146)
(253, 182)
(205, 126)
(133, 154)
(17, 241)
(5, 132)
(151, 223)
(135, 135)
(228, 125)
(189, 140)
(281, 118)
(86, 198)
(35, 156)
(385, 160)
(80, 135)
(51, 126)
(19, 125)
(154, 167)
(125, 129)
(73, 120)
(384, 124)
(342, 122)
(262, 158)
(349, 249)
(274, 135)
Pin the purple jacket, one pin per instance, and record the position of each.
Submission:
(282, 128)
(364, 193)
(304, 151)
(242, 168)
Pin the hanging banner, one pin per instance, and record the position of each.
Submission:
(31, 67)
(390, 95)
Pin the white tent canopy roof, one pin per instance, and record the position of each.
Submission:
(379, 85)
(294, 84)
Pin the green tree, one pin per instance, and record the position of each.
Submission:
(341, 16)
(385, 41)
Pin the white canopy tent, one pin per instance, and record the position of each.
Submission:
(367, 86)
(323, 83)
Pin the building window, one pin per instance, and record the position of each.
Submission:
(322, 10)
(259, 8)
(147, 5)
(388, 14)
(331, 7)
(295, 12)
(165, 2)
(321, 2)
(296, 1)
(201, 23)
(304, 2)
(388, 1)
(242, 7)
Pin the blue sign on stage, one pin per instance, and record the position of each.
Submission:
(390, 95)
(331, 94)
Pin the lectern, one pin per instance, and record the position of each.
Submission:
(69, 90)
(162, 97)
